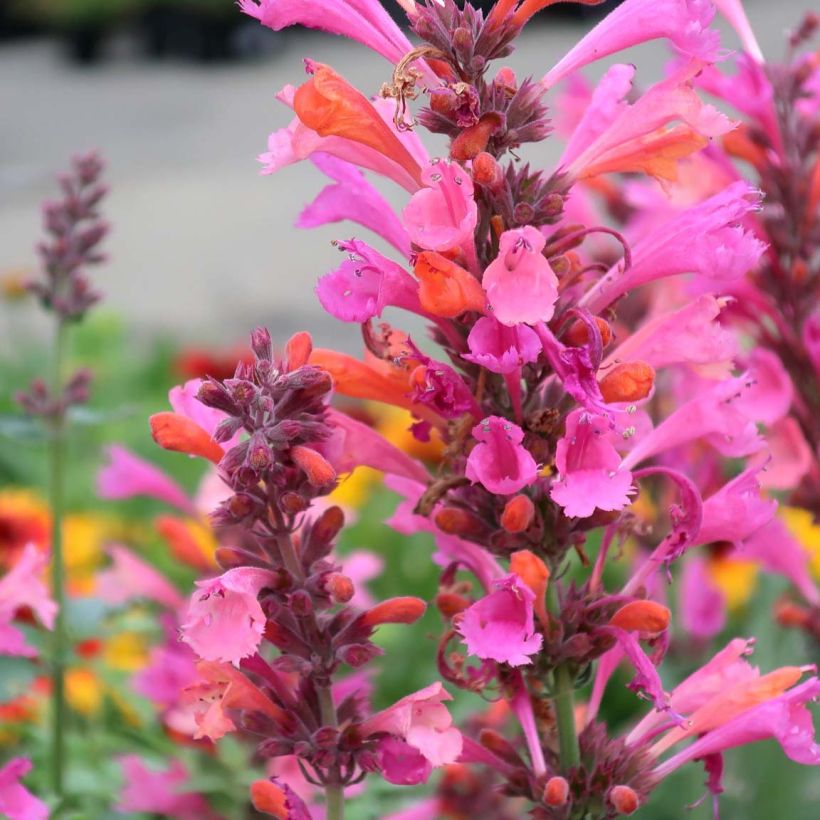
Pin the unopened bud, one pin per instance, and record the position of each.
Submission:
(450, 604)
(339, 587)
(403, 610)
(261, 344)
(298, 350)
(556, 792)
(523, 213)
(268, 798)
(518, 514)
(317, 468)
(506, 79)
(631, 381)
(358, 654)
(328, 525)
(292, 503)
(623, 799)
(499, 746)
(259, 454)
(791, 615)
(455, 521)
(473, 140)
(487, 171)
(578, 334)
(301, 603)
(641, 616)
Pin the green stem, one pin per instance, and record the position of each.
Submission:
(58, 654)
(334, 793)
(563, 685)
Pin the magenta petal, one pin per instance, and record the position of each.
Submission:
(16, 801)
(501, 348)
(159, 792)
(702, 604)
(401, 763)
(499, 461)
(131, 578)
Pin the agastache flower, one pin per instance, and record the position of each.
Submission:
(499, 461)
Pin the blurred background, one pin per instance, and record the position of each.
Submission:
(178, 95)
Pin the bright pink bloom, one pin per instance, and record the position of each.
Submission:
(127, 475)
(16, 801)
(365, 21)
(705, 239)
(685, 23)
(160, 792)
(499, 462)
(521, 705)
(689, 335)
(297, 142)
(184, 402)
(365, 284)
(646, 680)
(769, 396)
(443, 214)
(353, 444)
(501, 627)
(589, 473)
(791, 455)
(21, 587)
(501, 348)
(702, 604)
(521, 286)
(737, 509)
(130, 578)
(423, 722)
(734, 12)
(352, 198)
(401, 763)
(225, 621)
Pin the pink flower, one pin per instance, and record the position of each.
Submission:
(363, 20)
(500, 348)
(170, 669)
(769, 396)
(423, 722)
(791, 456)
(499, 462)
(365, 284)
(160, 792)
(500, 627)
(16, 801)
(443, 214)
(353, 198)
(127, 475)
(704, 239)
(20, 587)
(685, 23)
(589, 468)
(734, 12)
(811, 339)
(225, 621)
(183, 400)
(130, 578)
(702, 604)
(521, 286)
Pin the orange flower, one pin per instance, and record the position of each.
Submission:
(332, 107)
(182, 435)
(446, 289)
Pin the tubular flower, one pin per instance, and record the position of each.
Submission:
(499, 461)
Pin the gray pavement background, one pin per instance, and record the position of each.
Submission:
(203, 247)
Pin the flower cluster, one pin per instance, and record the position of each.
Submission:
(586, 391)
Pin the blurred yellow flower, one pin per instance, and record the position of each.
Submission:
(84, 691)
(84, 539)
(800, 524)
(24, 518)
(394, 424)
(735, 578)
(125, 652)
(354, 489)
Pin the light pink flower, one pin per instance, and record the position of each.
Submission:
(225, 621)
(734, 12)
(791, 456)
(127, 475)
(22, 586)
(443, 214)
(500, 626)
(160, 791)
(499, 462)
(705, 239)
(423, 722)
(129, 578)
(365, 21)
(501, 348)
(702, 604)
(770, 388)
(171, 667)
(184, 402)
(521, 286)
(352, 198)
(685, 23)
(16, 801)
(589, 468)
(365, 284)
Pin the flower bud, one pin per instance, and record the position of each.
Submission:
(641, 616)
(298, 350)
(473, 140)
(499, 746)
(518, 514)
(578, 333)
(791, 615)
(358, 654)
(339, 587)
(403, 610)
(212, 394)
(268, 798)
(556, 792)
(292, 503)
(455, 521)
(631, 381)
(300, 603)
(328, 525)
(506, 79)
(487, 171)
(623, 799)
(450, 604)
(261, 344)
(317, 468)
